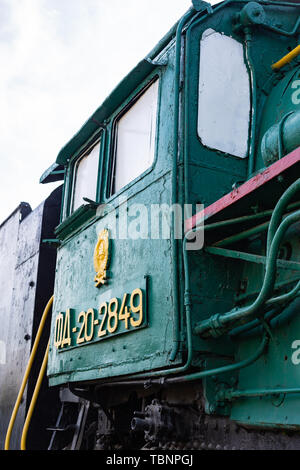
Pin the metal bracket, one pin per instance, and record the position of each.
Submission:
(250, 257)
(52, 241)
(58, 429)
(91, 202)
(214, 387)
(200, 5)
(252, 14)
(158, 63)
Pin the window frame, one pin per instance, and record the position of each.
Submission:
(73, 163)
(199, 138)
(121, 111)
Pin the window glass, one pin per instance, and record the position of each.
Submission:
(224, 95)
(135, 138)
(85, 177)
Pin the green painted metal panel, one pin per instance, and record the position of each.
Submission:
(75, 288)
(273, 371)
(131, 260)
(217, 284)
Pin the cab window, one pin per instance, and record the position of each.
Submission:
(224, 95)
(85, 177)
(134, 138)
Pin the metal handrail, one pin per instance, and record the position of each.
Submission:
(34, 399)
(27, 372)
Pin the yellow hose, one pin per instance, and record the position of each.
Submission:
(26, 375)
(287, 58)
(34, 399)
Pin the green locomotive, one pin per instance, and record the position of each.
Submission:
(175, 316)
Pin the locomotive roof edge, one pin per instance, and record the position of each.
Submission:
(23, 207)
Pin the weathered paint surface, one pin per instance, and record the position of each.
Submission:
(134, 351)
(26, 281)
(240, 193)
(15, 324)
(204, 176)
(131, 260)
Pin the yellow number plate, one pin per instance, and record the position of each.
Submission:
(113, 317)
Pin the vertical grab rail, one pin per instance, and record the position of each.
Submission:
(27, 372)
(34, 399)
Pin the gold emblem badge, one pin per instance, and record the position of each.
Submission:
(101, 254)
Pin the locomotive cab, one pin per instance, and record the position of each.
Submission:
(120, 173)
(200, 138)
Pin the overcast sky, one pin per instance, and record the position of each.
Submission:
(59, 61)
